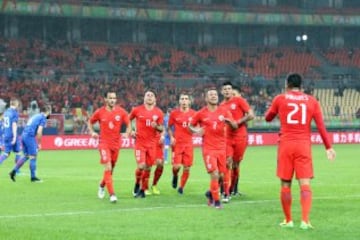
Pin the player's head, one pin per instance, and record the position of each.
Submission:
(110, 98)
(46, 110)
(14, 102)
(236, 91)
(226, 89)
(150, 97)
(211, 96)
(293, 80)
(185, 100)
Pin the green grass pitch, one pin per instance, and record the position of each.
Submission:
(65, 205)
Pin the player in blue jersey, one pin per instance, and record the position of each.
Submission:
(166, 136)
(2, 110)
(10, 134)
(31, 141)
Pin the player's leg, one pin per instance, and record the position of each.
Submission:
(140, 161)
(7, 150)
(239, 148)
(187, 161)
(16, 150)
(176, 165)
(210, 161)
(158, 170)
(285, 170)
(107, 181)
(304, 172)
(21, 161)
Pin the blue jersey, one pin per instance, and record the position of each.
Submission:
(33, 124)
(1, 134)
(166, 123)
(10, 116)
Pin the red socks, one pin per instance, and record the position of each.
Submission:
(305, 200)
(157, 174)
(108, 181)
(214, 189)
(286, 200)
(184, 178)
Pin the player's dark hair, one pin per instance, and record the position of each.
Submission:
(105, 94)
(294, 80)
(209, 89)
(45, 108)
(227, 83)
(150, 90)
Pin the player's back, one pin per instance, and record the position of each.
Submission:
(296, 111)
(10, 116)
(33, 124)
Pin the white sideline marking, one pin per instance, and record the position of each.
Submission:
(75, 213)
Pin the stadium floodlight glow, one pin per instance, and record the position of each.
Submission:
(298, 38)
(304, 37)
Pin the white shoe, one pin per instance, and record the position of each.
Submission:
(225, 199)
(101, 192)
(113, 199)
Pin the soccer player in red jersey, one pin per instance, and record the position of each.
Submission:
(111, 118)
(211, 122)
(236, 138)
(296, 110)
(181, 141)
(149, 121)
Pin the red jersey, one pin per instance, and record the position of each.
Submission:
(238, 107)
(213, 123)
(145, 133)
(110, 125)
(296, 111)
(180, 121)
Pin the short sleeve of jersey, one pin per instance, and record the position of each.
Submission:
(243, 104)
(95, 117)
(133, 113)
(196, 118)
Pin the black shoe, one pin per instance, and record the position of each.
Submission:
(35, 179)
(180, 191)
(174, 182)
(12, 175)
(136, 189)
(140, 194)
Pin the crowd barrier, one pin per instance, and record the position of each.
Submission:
(73, 142)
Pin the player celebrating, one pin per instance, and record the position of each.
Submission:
(111, 118)
(10, 128)
(181, 141)
(149, 121)
(296, 111)
(31, 142)
(236, 138)
(212, 121)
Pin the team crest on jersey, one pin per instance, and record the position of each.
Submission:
(117, 118)
(233, 106)
(221, 118)
(155, 117)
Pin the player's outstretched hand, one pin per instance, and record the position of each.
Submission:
(331, 154)
(94, 135)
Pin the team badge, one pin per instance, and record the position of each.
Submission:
(155, 117)
(117, 118)
(221, 118)
(233, 106)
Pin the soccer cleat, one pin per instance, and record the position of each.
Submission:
(180, 190)
(140, 194)
(36, 180)
(136, 189)
(148, 192)
(285, 224)
(218, 205)
(113, 199)
(306, 226)
(155, 190)
(101, 192)
(225, 199)
(12, 175)
(210, 199)
(175, 182)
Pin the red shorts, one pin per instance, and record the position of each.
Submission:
(145, 155)
(235, 148)
(294, 157)
(108, 154)
(159, 152)
(215, 160)
(183, 155)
